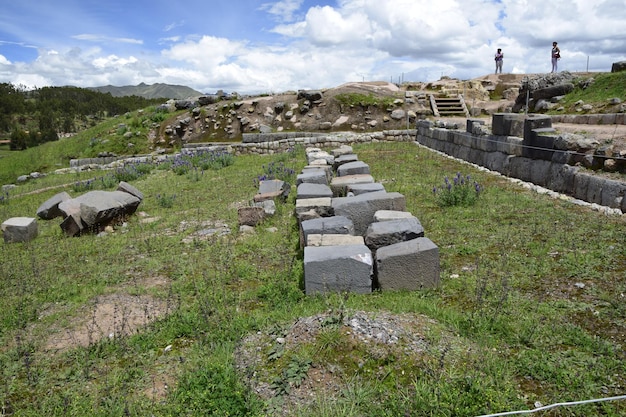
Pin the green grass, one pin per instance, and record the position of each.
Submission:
(509, 324)
(364, 100)
(605, 86)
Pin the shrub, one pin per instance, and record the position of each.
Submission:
(461, 191)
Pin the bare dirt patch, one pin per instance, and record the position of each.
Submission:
(113, 315)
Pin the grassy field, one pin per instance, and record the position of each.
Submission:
(530, 309)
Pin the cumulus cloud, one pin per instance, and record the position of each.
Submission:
(318, 44)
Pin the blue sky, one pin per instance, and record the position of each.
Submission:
(264, 46)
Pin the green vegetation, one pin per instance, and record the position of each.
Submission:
(530, 307)
(364, 100)
(604, 87)
(460, 191)
(30, 118)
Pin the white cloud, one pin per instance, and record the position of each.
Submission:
(284, 10)
(323, 46)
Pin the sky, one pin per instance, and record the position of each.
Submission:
(268, 47)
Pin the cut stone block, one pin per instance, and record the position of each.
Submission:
(384, 215)
(333, 240)
(357, 189)
(340, 185)
(337, 269)
(271, 189)
(322, 206)
(353, 168)
(318, 176)
(342, 150)
(317, 155)
(361, 208)
(390, 232)
(130, 189)
(19, 229)
(344, 159)
(338, 225)
(411, 265)
(309, 190)
(49, 209)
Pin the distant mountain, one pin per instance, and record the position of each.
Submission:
(150, 91)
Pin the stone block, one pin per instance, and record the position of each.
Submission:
(342, 150)
(386, 215)
(19, 229)
(344, 268)
(353, 168)
(361, 208)
(389, 232)
(130, 189)
(322, 206)
(357, 189)
(338, 225)
(411, 265)
(49, 209)
(312, 176)
(310, 190)
(345, 159)
(333, 240)
(340, 185)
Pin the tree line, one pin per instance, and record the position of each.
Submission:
(32, 117)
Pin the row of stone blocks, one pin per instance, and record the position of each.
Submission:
(356, 236)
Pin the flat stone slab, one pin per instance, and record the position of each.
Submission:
(390, 232)
(19, 229)
(338, 225)
(357, 189)
(385, 215)
(344, 159)
(353, 168)
(339, 185)
(412, 265)
(361, 208)
(322, 206)
(342, 150)
(313, 177)
(49, 209)
(318, 154)
(309, 190)
(344, 268)
(333, 240)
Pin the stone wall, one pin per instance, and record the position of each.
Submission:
(538, 157)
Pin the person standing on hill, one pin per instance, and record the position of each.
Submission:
(556, 55)
(499, 58)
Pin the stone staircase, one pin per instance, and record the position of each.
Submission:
(448, 106)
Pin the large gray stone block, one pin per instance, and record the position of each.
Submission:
(389, 232)
(361, 208)
(310, 190)
(49, 209)
(345, 268)
(353, 168)
(411, 265)
(357, 189)
(19, 229)
(318, 176)
(338, 225)
(340, 185)
(344, 159)
(387, 215)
